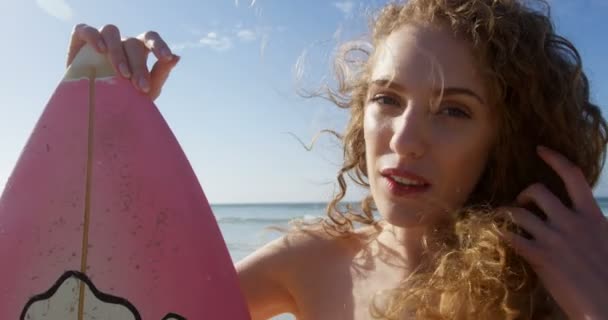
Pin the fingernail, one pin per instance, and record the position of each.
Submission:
(124, 70)
(166, 54)
(143, 84)
(541, 149)
(101, 46)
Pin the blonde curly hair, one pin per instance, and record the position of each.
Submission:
(541, 96)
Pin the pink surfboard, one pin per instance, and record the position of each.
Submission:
(103, 216)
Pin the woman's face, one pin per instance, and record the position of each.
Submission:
(428, 127)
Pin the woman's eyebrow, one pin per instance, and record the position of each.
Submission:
(462, 91)
(446, 91)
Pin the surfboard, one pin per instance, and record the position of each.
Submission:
(103, 216)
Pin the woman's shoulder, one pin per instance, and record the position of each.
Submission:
(310, 242)
(308, 245)
(321, 237)
(273, 277)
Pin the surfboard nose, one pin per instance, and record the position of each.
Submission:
(103, 188)
(89, 62)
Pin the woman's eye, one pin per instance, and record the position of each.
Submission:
(455, 112)
(383, 99)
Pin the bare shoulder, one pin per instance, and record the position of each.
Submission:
(308, 243)
(300, 245)
(270, 276)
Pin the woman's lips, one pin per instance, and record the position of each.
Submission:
(401, 190)
(401, 182)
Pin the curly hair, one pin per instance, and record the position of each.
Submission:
(541, 96)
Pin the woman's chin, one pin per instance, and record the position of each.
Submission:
(404, 219)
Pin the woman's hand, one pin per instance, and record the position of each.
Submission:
(128, 56)
(569, 251)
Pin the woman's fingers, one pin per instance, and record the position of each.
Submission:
(129, 56)
(137, 54)
(120, 63)
(153, 41)
(166, 61)
(578, 189)
(159, 74)
(529, 222)
(546, 201)
(81, 35)
(527, 248)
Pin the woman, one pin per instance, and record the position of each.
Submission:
(471, 126)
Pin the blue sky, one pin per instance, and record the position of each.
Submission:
(233, 95)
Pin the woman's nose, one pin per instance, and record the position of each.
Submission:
(408, 133)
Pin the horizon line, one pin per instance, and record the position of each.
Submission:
(601, 198)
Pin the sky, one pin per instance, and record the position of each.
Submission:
(233, 98)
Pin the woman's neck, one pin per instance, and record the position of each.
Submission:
(409, 243)
(406, 242)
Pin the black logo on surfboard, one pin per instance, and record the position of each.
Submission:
(62, 299)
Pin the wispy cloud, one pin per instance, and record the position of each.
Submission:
(192, 30)
(264, 44)
(216, 42)
(212, 40)
(59, 9)
(226, 40)
(246, 35)
(236, 3)
(345, 6)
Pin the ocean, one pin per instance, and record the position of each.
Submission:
(245, 227)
